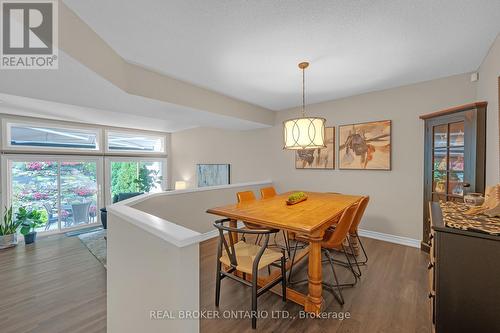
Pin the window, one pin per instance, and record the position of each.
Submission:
(57, 168)
(50, 137)
(132, 176)
(135, 142)
(63, 189)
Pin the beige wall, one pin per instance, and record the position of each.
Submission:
(487, 90)
(397, 202)
(189, 208)
(246, 151)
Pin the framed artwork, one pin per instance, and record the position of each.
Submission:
(213, 174)
(365, 146)
(323, 158)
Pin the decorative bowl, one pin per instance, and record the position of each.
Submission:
(296, 197)
(474, 199)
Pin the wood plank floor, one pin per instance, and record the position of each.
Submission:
(55, 285)
(391, 296)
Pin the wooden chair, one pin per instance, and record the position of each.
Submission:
(245, 196)
(249, 259)
(248, 196)
(353, 231)
(334, 240)
(353, 234)
(267, 192)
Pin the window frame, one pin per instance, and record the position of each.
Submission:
(161, 136)
(8, 123)
(102, 155)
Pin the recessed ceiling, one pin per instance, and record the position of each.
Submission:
(75, 93)
(250, 49)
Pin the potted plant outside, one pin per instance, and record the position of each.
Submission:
(30, 220)
(147, 179)
(8, 230)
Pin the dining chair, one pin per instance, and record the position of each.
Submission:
(353, 234)
(245, 196)
(269, 192)
(248, 196)
(298, 243)
(333, 239)
(249, 259)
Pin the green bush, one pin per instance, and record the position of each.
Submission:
(30, 220)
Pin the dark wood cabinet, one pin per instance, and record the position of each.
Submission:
(464, 278)
(455, 156)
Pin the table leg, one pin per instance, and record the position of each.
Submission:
(314, 301)
(234, 224)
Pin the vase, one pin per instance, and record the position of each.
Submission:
(30, 237)
(104, 218)
(7, 241)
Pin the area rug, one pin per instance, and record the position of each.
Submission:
(82, 231)
(95, 242)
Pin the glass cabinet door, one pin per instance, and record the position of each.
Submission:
(454, 156)
(448, 161)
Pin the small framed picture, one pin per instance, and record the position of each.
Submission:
(213, 174)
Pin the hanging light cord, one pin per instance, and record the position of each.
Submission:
(303, 93)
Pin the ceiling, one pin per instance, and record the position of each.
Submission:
(75, 93)
(249, 50)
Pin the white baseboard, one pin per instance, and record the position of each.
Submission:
(365, 233)
(390, 238)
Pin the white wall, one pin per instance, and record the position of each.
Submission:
(246, 151)
(146, 273)
(487, 90)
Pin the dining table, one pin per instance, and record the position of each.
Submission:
(309, 219)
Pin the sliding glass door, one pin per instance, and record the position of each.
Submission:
(34, 185)
(64, 189)
(78, 193)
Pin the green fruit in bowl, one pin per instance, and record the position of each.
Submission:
(296, 196)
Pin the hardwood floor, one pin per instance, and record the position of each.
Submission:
(55, 285)
(391, 296)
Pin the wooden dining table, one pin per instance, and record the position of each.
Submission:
(309, 219)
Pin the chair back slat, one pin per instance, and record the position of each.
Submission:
(267, 192)
(245, 196)
(229, 248)
(333, 239)
(359, 215)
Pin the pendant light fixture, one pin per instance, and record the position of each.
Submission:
(304, 132)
